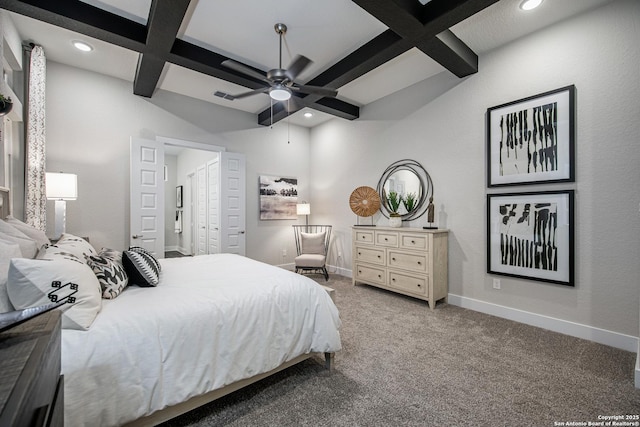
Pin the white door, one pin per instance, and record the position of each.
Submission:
(193, 224)
(232, 203)
(201, 210)
(146, 216)
(213, 202)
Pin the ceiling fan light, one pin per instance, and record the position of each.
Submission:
(280, 93)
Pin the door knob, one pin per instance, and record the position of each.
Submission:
(137, 236)
(241, 232)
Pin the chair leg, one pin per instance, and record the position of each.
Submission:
(326, 274)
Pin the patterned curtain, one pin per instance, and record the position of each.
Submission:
(35, 199)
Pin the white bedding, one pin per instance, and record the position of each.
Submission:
(211, 321)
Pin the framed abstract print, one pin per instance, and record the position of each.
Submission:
(532, 140)
(531, 236)
(278, 197)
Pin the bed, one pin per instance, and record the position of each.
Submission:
(213, 324)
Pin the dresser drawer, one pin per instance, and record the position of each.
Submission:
(369, 274)
(414, 241)
(364, 236)
(415, 262)
(372, 255)
(388, 239)
(413, 284)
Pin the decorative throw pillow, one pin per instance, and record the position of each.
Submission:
(34, 282)
(53, 252)
(8, 250)
(141, 267)
(312, 243)
(38, 236)
(76, 245)
(109, 270)
(28, 246)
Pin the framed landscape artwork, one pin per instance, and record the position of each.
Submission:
(278, 197)
(532, 140)
(531, 236)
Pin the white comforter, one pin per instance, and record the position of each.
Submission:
(212, 320)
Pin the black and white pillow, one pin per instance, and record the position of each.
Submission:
(109, 270)
(141, 267)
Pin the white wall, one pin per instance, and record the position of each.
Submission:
(599, 53)
(90, 118)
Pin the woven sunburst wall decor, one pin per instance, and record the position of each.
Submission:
(364, 201)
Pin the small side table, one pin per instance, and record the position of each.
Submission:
(31, 387)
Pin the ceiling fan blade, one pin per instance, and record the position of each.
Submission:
(316, 90)
(229, 63)
(241, 95)
(298, 65)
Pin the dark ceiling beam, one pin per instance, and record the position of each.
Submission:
(163, 23)
(427, 28)
(207, 62)
(83, 18)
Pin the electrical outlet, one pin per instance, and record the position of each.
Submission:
(339, 254)
(496, 283)
(284, 252)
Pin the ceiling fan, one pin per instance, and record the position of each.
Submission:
(281, 81)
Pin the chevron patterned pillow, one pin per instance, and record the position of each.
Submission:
(141, 267)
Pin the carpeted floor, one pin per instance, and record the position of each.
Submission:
(405, 365)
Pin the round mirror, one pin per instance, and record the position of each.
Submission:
(405, 188)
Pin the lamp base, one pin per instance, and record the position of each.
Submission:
(61, 214)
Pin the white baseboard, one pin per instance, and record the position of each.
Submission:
(601, 336)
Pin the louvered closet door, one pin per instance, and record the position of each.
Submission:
(201, 210)
(213, 202)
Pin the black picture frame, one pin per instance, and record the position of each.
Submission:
(179, 196)
(531, 236)
(532, 140)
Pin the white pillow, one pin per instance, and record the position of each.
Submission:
(8, 250)
(28, 246)
(34, 282)
(312, 243)
(39, 236)
(76, 245)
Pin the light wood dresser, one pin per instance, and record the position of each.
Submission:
(410, 261)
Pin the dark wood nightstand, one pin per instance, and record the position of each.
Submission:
(31, 387)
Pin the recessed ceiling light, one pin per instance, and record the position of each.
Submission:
(308, 115)
(83, 46)
(530, 4)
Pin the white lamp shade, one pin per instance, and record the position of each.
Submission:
(303, 209)
(62, 186)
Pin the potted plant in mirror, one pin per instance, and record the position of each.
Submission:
(409, 202)
(5, 104)
(393, 203)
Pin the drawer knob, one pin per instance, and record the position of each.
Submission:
(419, 262)
(359, 253)
(379, 256)
(385, 239)
(393, 280)
(413, 242)
(379, 276)
(419, 285)
(393, 259)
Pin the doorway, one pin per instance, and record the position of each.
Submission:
(149, 214)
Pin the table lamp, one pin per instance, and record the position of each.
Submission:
(61, 187)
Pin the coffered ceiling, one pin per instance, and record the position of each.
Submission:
(366, 49)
